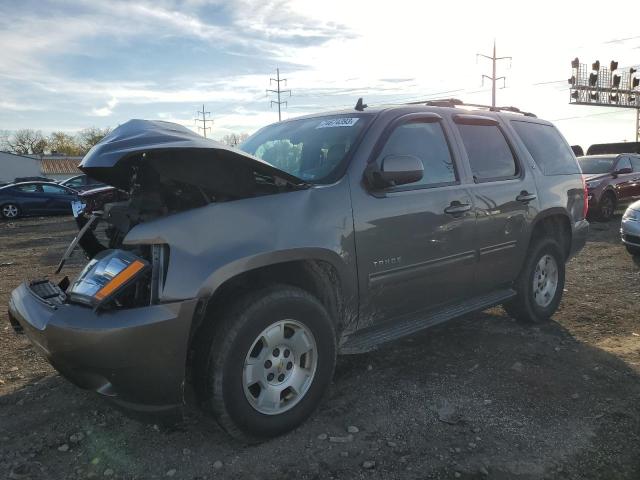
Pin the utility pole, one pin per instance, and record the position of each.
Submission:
(203, 120)
(493, 77)
(278, 91)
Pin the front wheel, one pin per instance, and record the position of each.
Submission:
(540, 284)
(270, 361)
(606, 207)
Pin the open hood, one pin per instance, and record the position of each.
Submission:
(171, 153)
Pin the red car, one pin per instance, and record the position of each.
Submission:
(612, 180)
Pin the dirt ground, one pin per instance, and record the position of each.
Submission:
(481, 397)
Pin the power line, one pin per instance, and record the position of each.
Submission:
(203, 120)
(493, 77)
(278, 91)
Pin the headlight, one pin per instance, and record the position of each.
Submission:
(106, 275)
(633, 215)
(594, 183)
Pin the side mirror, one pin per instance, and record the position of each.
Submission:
(623, 171)
(397, 170)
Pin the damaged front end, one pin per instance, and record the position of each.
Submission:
(110, 330)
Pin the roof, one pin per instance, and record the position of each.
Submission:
(58, 166)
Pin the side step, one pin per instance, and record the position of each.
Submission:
(369, 338)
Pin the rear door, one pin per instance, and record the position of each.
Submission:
(31, 198)
(504, 199)
(415, 251)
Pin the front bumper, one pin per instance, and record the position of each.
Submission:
(136, 357)
(579, 237)
(630, 232)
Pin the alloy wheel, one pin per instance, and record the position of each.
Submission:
(279, 367)
(10, 211)
(545, 281)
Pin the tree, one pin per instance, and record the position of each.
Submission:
(88, 137)
(234, 139)
(65, 144)
(26, 142)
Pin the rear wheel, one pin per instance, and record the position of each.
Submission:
(10, 210)
(270, 361)
(606, 207)
(540, 284)
(635, 251)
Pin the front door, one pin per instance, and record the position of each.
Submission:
(414, 242)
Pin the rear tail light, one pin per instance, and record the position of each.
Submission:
(585, 193)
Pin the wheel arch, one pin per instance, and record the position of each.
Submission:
(555, 223)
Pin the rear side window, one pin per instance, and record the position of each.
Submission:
(635, 161)
(489, 153)
(427, 142)
(547, 147)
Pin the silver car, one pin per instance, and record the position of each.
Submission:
(630, 230)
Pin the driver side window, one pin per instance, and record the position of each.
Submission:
(623, 162)
(427, 142)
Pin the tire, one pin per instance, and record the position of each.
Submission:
(10, 211)
(528, 307)
(635, 251)
(254, 330)
(606, 207)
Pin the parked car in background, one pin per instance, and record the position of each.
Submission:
(613, 181)
(242, 273)
(630, 229)
(82, 183)
(35, 198)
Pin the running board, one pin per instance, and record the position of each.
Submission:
(369, 338)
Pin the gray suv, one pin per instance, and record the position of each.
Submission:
(238, 275)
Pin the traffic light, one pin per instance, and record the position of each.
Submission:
(572, 80)
(616, 81)
(593, 79)
(575, 63)
(613, 66)
(596, 65)
(574, 95)
(635, 83)
(614, 97)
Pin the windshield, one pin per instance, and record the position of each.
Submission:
(594, 165)
(311, 149)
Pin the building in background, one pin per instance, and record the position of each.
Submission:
(12, 166)
(59, 167)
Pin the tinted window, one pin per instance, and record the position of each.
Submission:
(547, 147)
(427, 142)
(311, 148)
(624, 162)
(53, 189)
(596, 165)
(29, 188)
(635, 162)
(488, 151)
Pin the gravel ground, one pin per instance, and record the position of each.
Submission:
(481, 397)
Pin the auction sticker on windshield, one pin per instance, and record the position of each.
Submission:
(77, 207)
(338, 122)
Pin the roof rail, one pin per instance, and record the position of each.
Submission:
(454, 102)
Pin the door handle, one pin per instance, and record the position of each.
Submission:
(525, 197)
(457, 208)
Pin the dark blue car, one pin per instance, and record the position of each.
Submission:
(35, 198)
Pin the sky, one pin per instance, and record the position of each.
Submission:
(70, 64)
